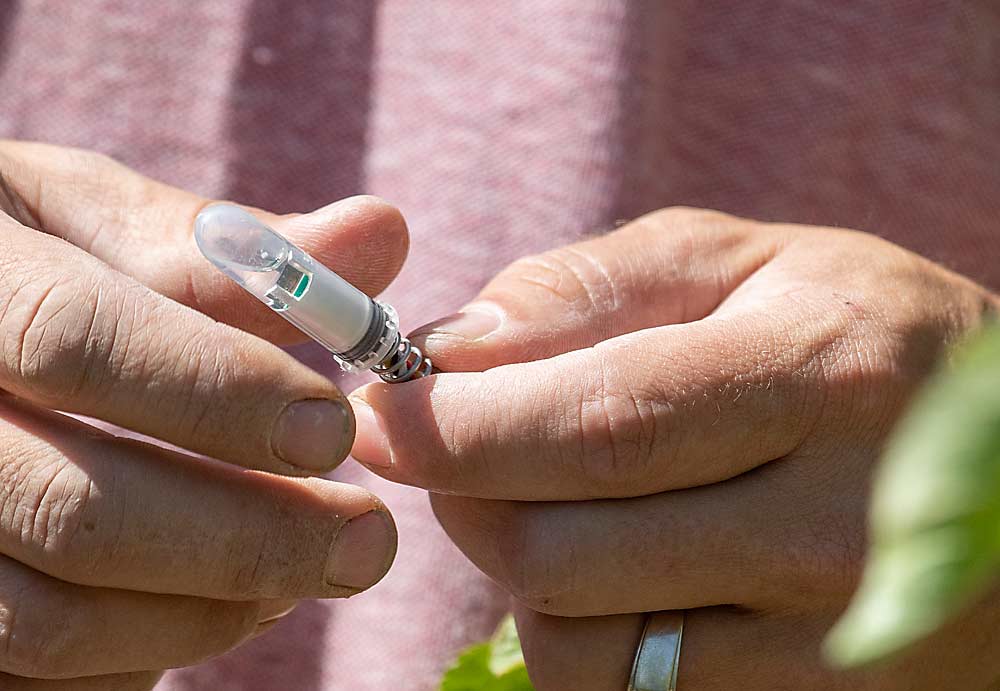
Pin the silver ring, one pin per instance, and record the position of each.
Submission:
(659, 653)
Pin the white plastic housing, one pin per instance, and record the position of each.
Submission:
(316, 300)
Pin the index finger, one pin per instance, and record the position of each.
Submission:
(143, 229)
(666, 408)
(80, 337)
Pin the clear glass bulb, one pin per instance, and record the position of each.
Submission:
(359, 331)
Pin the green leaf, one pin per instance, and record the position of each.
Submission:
(935, 513)
(496, 665)
(506, 648)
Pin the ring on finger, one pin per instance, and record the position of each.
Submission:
(658, 655)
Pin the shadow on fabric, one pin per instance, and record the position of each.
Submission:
(9, 10)
(299, 104)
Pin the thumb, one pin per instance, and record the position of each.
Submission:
(669, 267)
(143, 228)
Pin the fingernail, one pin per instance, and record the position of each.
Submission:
(473, 323)
(312, 434)
(363, 551)
(371, 445)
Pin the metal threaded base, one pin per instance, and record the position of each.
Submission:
(404, 363)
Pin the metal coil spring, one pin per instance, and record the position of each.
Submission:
(405, 363)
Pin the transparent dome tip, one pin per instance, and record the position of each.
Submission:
(236, 242)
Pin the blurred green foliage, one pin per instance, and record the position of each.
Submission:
(935, 521)
(496, 665)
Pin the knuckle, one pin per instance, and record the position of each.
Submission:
(74, 338)
(44, 327)
(823, 551)
(537, 569)
(571, 275)
(614, 442)
(49, 508)
(60, 518)
(34, 645)
(63, 337)
(686, 216)
(473, 425)
(8, 619)
(693, 223)
(856, 357)
(534, 570)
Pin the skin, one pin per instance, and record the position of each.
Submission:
(682, 414)
(119, 558)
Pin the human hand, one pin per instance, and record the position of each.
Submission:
(694, 408)
(119, 558)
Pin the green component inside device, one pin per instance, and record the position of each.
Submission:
(300, 289)
(294, 281)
